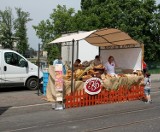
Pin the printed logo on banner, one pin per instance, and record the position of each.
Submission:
(58, 77)
(93, 86)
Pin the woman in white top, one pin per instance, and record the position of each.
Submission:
(110, 66)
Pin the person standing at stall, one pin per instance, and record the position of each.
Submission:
(58, 61)
(97, 61)
(147, 87)
(77, 64)
(144, 67)
(110, 66)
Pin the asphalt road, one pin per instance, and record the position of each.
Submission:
(25, 111)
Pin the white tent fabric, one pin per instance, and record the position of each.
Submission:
(101, 37)
(130, 58)
(70, 37)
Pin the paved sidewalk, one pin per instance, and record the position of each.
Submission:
(155, 77)
(20, 98)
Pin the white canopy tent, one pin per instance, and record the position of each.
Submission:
(71, 37)
(105, 38)
(102, 37)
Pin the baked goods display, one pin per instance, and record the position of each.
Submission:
(86, 77)
(68, 75)
(97, 71)
(99, 67)
(80, 74)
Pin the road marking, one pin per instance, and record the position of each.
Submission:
(21, 129)
(122, 125)
(156, 92)
(93, 118)
(25, 106)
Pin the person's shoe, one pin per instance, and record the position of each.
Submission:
(150, 101)
(147, 102)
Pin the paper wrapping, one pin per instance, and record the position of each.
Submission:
(52, 94)
(115, 82)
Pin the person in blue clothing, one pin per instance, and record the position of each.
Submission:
(59, 61)
(147, 87)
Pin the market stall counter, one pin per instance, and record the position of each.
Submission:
(109, 83)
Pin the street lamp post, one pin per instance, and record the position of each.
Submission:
(72, 78)
(38, 63)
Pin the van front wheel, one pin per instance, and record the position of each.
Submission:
(32, 83)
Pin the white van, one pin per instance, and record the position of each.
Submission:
(16, 70)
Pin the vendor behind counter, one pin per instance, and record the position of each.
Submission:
(97, 61)
(110, 66)
(77, 64)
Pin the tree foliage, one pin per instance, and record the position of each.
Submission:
(12, 30)
(60, 22)
(139, 18)
(6, 28)
(21, 30)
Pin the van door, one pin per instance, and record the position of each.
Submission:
(15, 69)
(1, 69)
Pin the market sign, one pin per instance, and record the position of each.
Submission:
(93, 86)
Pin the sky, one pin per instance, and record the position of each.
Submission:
(39, 10)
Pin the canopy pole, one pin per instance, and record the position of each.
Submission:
(77, 49)
(142, 46)
(72, 86)
(38, 69)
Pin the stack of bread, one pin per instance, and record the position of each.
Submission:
(100, 66)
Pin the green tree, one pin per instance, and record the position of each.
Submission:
(6, 27)
(21, 30)
(61, 21)
(44, 31)
(14, 30)
(139, 18)
(53, 53)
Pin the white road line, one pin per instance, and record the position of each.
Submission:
(21, 129)
(25, 106)
(122, 125)
(91, 118)
(156, 92)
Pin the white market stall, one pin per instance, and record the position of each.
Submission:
(127, 52)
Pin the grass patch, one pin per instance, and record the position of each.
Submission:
(154, 71)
